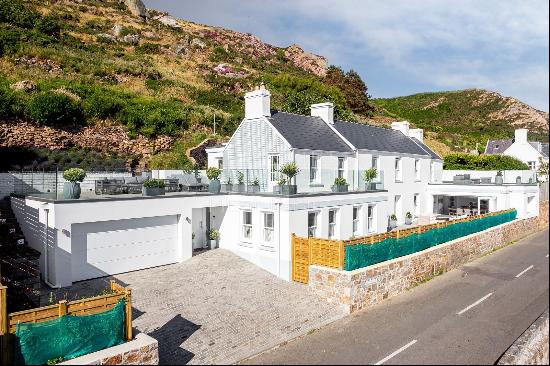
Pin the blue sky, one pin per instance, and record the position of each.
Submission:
(403, 47)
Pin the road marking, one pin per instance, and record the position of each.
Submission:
(396, 352)
(474, 304)
(525, 270)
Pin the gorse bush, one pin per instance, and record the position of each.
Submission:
(49, 108)
(153, 117)
(16, 13)
(463, 161)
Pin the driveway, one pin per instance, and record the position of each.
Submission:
(215, 308)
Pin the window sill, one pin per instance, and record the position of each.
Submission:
(313, 185)
(267, 248)
(398, 181)
(244, 243)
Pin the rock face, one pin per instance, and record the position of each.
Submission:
(137, 8)
(24, 85)
(308, 61)
(168, 20)
(101, 137)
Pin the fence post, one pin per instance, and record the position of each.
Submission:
(341, 254)
(398, 235)
(5, 354)
(62, 306)
(128, 314)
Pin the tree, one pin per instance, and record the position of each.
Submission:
(354, 88)
(543, 168)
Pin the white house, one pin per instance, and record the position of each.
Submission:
(105, 235)
(530, 152)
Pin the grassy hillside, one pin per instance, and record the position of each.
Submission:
(460, 119)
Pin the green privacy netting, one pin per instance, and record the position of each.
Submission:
(69, 336)
(363, 255)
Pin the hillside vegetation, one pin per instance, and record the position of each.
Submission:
(73, 74)
(462, 119)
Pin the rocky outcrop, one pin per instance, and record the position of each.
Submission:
(137, 8)
(24, 85)
(101, 137)
(308, 61)
(168, 20)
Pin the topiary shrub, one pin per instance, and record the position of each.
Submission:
(213, 173)
(49, 108)
(74, 175)
(154, 183)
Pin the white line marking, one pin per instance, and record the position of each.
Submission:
(474, 304)
(525, 270)
(396, 352)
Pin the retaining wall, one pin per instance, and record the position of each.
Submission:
(143, 350)
(532, 347)
(364, 287)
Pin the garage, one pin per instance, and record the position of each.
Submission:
(111, 247)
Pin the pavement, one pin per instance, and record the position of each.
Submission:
(470, 315)
(215, 308)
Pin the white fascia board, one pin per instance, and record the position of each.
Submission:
(380, 152)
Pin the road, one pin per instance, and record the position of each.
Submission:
(470, 315)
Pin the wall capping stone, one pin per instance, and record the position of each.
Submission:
(143, 350)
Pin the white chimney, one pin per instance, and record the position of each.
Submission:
(325, 111)
(401, 126)
(257, 103)
(417, 133)
(521, 135)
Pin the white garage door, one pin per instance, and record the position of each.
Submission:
(110, 247)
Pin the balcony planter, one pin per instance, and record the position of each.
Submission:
(289, 189)
(392, 222)
(277, 189)
(370, 186)
(408, 218)
(71, 190)
(340, 188)
(499, 180)
(253, 189)
(240, 188)
(153, 191)
(228, 187)
(214, 186)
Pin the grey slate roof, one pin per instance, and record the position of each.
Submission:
(424, 147)
(541, 147)
(498, 146)
(306, 132)
(378, 138)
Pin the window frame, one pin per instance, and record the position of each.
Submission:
(274, 175)
(417, 166)
(332, 225)
(313, 234)
(244, 226)
(341, 169)
(266, 228)
(416, 204)
(355, 221)
(398, 167)
(313, 170)
(371, 226)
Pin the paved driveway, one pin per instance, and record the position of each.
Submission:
(215, 308)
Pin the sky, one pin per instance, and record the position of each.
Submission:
(402, 47)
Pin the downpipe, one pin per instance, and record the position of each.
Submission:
(46, 259)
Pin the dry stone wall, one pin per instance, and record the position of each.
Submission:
(365, 287)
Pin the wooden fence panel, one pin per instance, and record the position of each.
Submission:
(300, 259)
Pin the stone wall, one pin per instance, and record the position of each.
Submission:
(364, 287)
(532, 347)
(143, 350)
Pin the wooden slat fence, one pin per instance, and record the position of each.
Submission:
(93, 305)
(331, 253)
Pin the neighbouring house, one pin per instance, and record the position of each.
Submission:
(530, 152)
(100, 235)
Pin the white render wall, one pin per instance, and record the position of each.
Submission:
(525, 152)
(509, 176)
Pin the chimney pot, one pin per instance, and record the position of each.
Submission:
(402, 126)
(325, 111)
(520, 135)
(257, 103)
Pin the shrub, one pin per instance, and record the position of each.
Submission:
(103, 105)
(16, 13)
(154, 183)
(255, 182)
(48, 25)
(9, 40)
(290, 170)
(213, 173)
(408, 215)
(151, 117)
(7, 101)
(213, 234)
(340, 182)
(74, 175)
(49, 108)
(393, 217)
(240, 177)
(370, 174)
(463, 161)
(147, 47)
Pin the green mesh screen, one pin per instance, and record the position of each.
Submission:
(69, 336)
(363, 255)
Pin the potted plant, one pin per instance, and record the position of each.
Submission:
(278, 188)
(499, 179)
(369, 175)
(255, 186)
(73, 177)
(408, 218)
(153, 187)
(213, 175)
(340, 185)
(240, 187)
(393, 221)
(228, 186)
(290, 170)
(213, 236)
